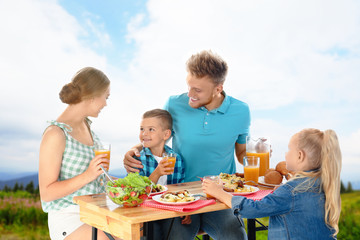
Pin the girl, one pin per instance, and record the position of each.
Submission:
(67, 166)
(307, 206)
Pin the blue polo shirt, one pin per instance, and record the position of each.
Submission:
(206, 139)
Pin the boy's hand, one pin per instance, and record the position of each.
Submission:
(163, 168)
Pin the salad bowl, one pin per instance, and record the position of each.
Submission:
(130, 191)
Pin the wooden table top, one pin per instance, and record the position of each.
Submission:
(104, 206)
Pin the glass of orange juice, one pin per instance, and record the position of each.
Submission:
(171, 159)
(103, 148)
(251, 169)
(214, 178)
(259, 147)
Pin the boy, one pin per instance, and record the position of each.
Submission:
(155, 130)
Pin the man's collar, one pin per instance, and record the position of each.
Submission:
(223, 107)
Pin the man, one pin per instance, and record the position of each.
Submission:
(208, 127)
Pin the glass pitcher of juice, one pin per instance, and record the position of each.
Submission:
(259, 147)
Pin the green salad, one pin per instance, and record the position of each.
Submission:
(129, 191)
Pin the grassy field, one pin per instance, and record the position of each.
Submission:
(21, 217)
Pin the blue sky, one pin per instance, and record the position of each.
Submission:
(294, 62)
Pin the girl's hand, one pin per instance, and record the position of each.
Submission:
(216, 190)
(94, 170)
(212, 188)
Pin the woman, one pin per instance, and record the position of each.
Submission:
(67, 166)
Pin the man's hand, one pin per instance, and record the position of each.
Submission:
(186, 220)
(131, 163)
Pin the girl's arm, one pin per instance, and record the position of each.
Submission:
(276, 203)
(51, 151)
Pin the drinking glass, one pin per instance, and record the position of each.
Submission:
(103, 148)
(251, 169)
(171, 159)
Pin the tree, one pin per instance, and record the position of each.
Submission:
(6, 188)
(30, 187)
(16, 187)
(342, 187)
(349, 188)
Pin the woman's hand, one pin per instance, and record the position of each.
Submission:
(94, 170)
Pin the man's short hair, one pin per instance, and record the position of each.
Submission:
(163, 115)
(207, 63)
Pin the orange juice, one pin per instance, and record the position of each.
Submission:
(264, 161)
(104, 151)
(251, 173)
(172, 161)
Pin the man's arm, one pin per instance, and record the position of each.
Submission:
(240, 151)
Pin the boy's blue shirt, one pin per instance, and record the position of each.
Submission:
(293, 215)
(149, 162)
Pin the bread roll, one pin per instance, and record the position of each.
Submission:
(269, 170)
(281, 168)
(273, 177)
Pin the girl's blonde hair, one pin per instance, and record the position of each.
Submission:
(87, 83)
(323, 152)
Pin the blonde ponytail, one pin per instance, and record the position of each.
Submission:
(330, 178)
(324, 155)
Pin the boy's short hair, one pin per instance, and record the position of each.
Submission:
(165, 117)
(207, 63)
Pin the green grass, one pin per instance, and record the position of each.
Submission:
(21, 217)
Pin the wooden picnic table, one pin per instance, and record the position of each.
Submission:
(100, 212)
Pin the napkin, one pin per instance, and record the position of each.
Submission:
(179, 208)
(259, 194)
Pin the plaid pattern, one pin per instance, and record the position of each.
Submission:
(76, 159)
(150, 163)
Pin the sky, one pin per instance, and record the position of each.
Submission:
(296, 63)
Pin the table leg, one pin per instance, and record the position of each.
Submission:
(94, 233)
(251, 229)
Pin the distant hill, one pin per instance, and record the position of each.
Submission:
(22, 180)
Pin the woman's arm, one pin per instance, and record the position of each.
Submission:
(51, 151)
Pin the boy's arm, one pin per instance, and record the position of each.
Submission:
(155, 175)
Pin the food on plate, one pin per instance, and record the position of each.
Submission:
(180, 196)
(157, 188)
(281, 168)
(129, 191)
(235, 183)
(273, 177)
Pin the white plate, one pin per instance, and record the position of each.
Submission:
(246, 193)
(261, 181)
(157, 199)
(156, 193)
